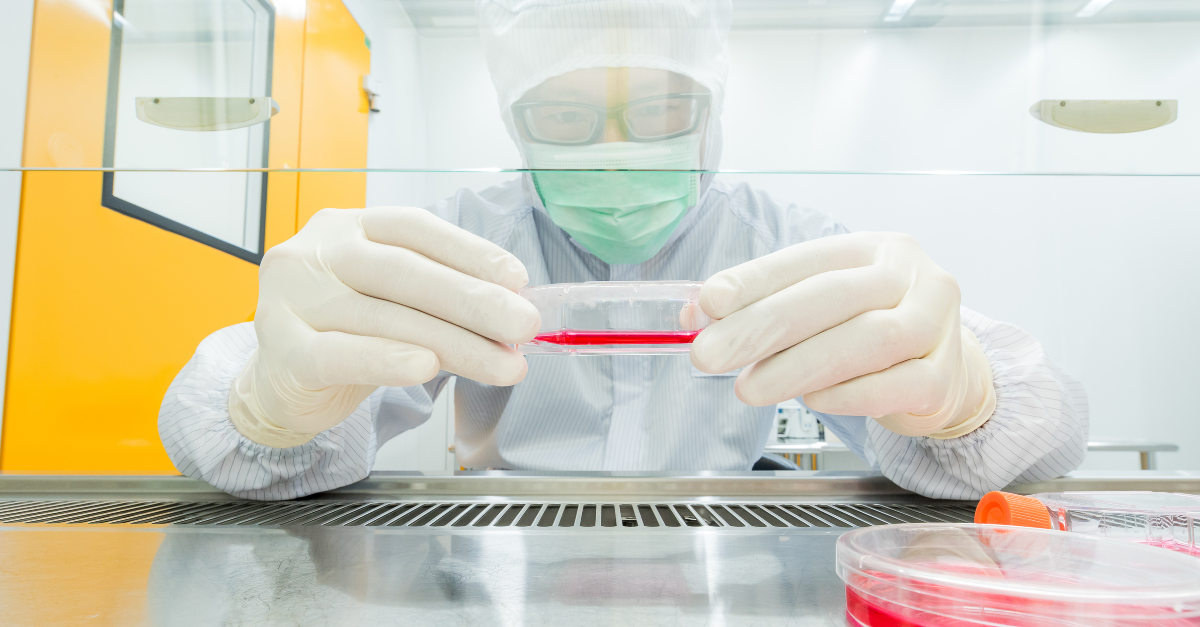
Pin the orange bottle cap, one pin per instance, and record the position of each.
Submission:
(1002, 508)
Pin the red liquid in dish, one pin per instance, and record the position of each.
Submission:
(930, 605)
(601, 338)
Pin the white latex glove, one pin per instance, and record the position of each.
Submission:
(362, 298)
(862, 324)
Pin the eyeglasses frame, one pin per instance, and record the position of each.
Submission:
(610, 113)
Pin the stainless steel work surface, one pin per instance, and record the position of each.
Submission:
(431, 576)
(478, 548)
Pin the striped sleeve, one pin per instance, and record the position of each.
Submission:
(1038, 431)
(201, 441)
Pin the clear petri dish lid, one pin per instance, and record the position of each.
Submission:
(947, 574)
(1145, 502)
(1162, 519)
(616, 317)
(599, 293)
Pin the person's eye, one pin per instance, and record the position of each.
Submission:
(567, 117)
(560, 118)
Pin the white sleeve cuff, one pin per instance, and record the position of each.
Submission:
(202, 442)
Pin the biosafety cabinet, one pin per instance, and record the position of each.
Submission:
(1044, 152)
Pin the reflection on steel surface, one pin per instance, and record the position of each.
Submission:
(429, 576)
(476, 514)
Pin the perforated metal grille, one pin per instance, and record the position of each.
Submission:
(475, 514)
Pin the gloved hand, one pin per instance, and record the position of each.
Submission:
(362, 298)
(862, 324)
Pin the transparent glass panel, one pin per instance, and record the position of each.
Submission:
(1098, 268)
(884, 115)
(212, 52)
(845, 86)
(809, 85)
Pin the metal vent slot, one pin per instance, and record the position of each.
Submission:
(531, 514)
(608, 516)
(475, 515)
(728, 516)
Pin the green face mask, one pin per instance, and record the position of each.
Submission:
(622, 217)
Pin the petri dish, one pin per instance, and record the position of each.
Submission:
(939, 575)
(616, 318)
(1162, 519)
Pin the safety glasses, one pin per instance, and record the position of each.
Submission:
(643, 120)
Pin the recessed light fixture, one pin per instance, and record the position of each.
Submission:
(1106, 116)
(1092, 8)
(205, 114)
(901, 7)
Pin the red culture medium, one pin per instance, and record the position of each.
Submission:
(597, 338)
(931, 605)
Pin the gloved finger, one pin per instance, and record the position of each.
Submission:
(409, 278)
(795, 314)
(917, 386)
(335, 358)
(421, 231)
(870, 342)
(458, 350)
(691, 316)
(731, 290)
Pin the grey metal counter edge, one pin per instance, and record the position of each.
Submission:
(783, 485)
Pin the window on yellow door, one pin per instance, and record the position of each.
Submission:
(200, 70)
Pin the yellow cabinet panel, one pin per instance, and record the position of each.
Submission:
(108, 308)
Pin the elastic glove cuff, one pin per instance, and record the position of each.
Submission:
(979, 376)
(249, 419)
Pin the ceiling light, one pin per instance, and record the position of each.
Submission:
(1106, 116)
(205, 114)
(1091, 8)
(900, 7)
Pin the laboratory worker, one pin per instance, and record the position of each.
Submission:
(365, 315)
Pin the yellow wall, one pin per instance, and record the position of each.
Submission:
(106, 308)
(335, 59)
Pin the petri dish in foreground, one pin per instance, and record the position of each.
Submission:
(616, 317)
(942, 575)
